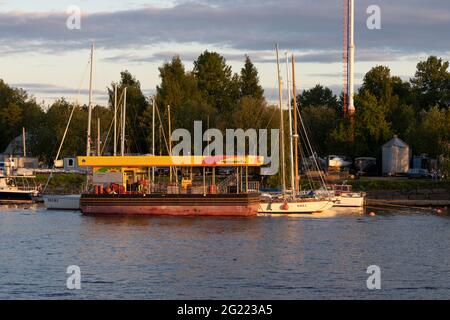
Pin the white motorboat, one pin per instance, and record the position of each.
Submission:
(18, 189)
(350, 200)
(345, 197)
(338, 162)
(62, 202)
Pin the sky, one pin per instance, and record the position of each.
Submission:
(40, 54)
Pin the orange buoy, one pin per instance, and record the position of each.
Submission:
(285, 206)
(372, 214)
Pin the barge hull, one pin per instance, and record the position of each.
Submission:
(171, 205)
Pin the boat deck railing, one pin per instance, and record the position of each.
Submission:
(199, 188)
(173, 188)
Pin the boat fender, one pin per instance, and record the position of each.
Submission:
(285, 206)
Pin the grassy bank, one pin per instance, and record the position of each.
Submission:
(372, 184)
(63, 182)
(74, 183)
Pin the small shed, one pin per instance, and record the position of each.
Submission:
(396, 157)
(71, 165)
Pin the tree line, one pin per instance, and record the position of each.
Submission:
(416, 110)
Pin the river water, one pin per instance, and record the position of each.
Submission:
(322, 257)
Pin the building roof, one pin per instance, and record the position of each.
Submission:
(15, 147)
(396, 142)
(172, 161)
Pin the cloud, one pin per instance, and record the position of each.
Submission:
(52, 92)
(312, 27)
(53, 89)
(377, 55)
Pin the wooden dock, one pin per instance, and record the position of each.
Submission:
(408, 203)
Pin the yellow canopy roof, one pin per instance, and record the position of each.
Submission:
(174, 161)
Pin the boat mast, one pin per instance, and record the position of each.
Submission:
(291, 148)
(24, 142)
(98, 137)
(170, 140)
(153, 133)
(294, 94)
(280, 97)
(88, 143)
(115, 119)
(124, 111)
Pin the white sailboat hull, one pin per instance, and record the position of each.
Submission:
(295, 207)
(62, 202)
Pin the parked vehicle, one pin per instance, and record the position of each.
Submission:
(418, 174)
(366, 166)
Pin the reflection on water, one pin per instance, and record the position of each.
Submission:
(269, 257)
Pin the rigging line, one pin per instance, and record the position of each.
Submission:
(305, 163)
(303, 156)
(311, 149)
(107, 136)
(275, 110)
(119, 113)
(162, 128)
(67, 128)
(260, 114)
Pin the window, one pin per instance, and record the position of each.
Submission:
(70, 163)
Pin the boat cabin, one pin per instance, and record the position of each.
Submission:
(173, 174)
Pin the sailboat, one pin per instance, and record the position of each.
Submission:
(292, 202)
(71, 201)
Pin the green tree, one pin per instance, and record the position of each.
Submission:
(51, 131)
(318, 96)
(179, 89)
(402, 89)
(17, 110)
(249, 81)
(218, 85)
(378, 83)
(403, 120)
(366, 132)
(252, 113)
(320, 121)
(371, 127)
(431, 83)
(433, 136)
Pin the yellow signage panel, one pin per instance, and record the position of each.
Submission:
(172, 161)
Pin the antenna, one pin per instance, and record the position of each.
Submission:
(349, 56)
(351, 83)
